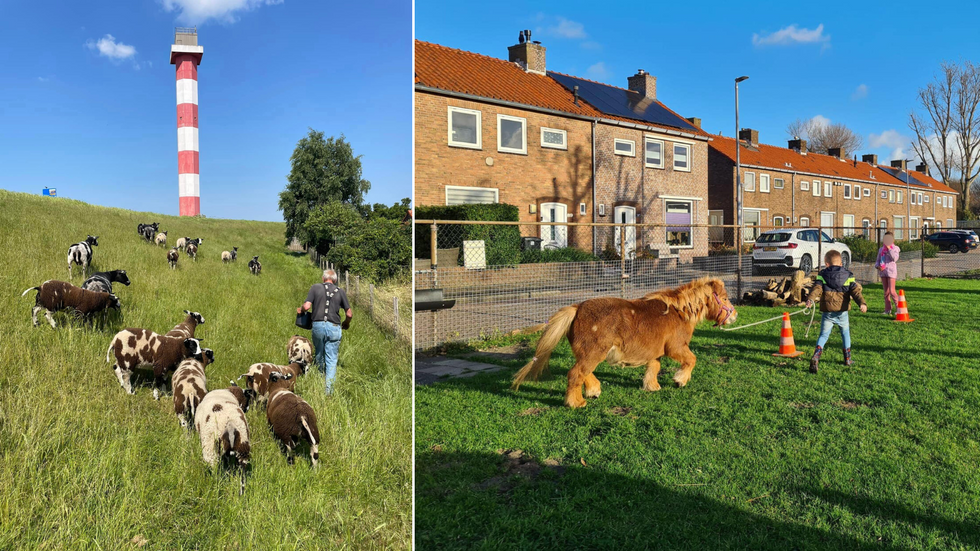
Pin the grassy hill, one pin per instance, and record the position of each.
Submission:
(85, 465)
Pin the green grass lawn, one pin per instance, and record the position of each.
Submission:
(85, 465)
(755, 453)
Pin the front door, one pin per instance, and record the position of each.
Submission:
(827, 222)
(554, 236)
(625, 215)
(716, 218)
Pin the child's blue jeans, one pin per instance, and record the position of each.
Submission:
(827, 322)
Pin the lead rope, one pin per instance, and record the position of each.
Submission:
(811, 309)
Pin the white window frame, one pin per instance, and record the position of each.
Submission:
(898, 231)
(673, 156)
(848, 229)
(949, 223)
(898, 197)
(558, 228)
(781, 185)
(847, 191)
(867, 192)
(804, 185)
(856, 193)
(816, 187)
(926, 198)
(764, 183)
(749, 236)
(663, 153)
(914, 224)
(631, 143)
(777, 221)
(690, 228)
(745, 182)
(828, 188)
(479, 127)
(804, 221)
(866, 227)
(891, 196)
(523, 121)
(496, 194)
(564, 139)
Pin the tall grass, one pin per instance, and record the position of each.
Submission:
(85, 465)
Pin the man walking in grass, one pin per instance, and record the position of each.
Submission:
(325, 301)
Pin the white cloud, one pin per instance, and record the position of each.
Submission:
(820, 121)
(565, 28)
(591, 45)
(43, 79)
(598, 71)
(195, 12)
(108, 47)
(899, 145)
(792, 35)
(860, 92)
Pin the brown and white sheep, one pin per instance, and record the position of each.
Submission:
(300, 348)
(257, 378)
(220, 421)
(190, 386)
(172, 257)
(292, 419)
(191, 250)
(54, 295)
(186, 328)
(162, 239)
(133, 348)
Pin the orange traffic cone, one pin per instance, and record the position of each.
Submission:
(903, 309)
(787, 346)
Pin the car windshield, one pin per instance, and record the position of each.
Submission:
(776, 237)
(826, 238)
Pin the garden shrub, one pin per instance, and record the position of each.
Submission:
(502, 243)
(566, 254)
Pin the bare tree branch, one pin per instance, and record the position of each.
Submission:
(822, 137)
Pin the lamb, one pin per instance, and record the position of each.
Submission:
(102, 281)
(172, 257)
(182, 242)
(191, 250)
(147, 231)
(54, 295)
(186, 328)
(81, 254)
(229, 256)
(254, 266)
(300, 348)
(161, 239)
(220, 421)
(190, 386)
(291, 418)
(257, 378)
(132, 348)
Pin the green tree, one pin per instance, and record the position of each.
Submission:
(394, 212)
(323, 170)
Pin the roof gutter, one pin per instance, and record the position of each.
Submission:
(875, 182)
(545, 110)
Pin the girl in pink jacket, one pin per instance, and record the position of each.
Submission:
(887, 265)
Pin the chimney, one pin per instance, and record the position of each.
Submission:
(529, 55)
(899, 164)
(798, 145)
(644, 83)
(922, 168)
(694, 121)
(834, 152)
(749, 135)
(870, 159)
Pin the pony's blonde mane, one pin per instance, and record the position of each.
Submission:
(691, 300)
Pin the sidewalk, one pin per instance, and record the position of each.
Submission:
(431, 370)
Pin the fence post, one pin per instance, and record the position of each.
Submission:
(738, 248)
(357, 285)
(922, 251)
(622, 261)
(818, 261)
(347, 280)
(434, 245)
(395, 305)
(371, 291)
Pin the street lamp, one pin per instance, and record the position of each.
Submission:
(908, 198)
(738, 161)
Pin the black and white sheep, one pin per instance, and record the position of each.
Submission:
(186, 328)
(292, 419)
(190, 386)
(133, 348)
(162, 239)
(300, 348)
(54, 295)
(220, 422)
(81, 254)
(102, 281)
(258, 378)
(254, 266)
(172, 257)
(147, 231)
(191, 250)
(231, 256)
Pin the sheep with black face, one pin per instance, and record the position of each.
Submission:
(186, 328)
(254, 266)
(190, 386)
(81, 254)
(102, 281)
(134, 348)
(258, 377)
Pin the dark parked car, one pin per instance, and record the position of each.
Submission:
(953, 242)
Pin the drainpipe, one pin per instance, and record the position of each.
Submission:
(793, 203)
(595, 208)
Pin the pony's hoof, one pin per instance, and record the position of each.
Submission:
(593, 393)
(575, 403)
(651, 388)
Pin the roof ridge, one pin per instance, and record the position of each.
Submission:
(467, 52)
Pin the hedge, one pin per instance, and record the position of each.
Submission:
(565, 254)
(865, 250)
(502, 243)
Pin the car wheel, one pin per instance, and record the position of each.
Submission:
(806, 264)
(953, 249)
(845, 260)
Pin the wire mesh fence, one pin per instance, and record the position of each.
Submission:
(388, 305)
(507, 276)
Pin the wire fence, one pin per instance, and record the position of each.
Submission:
(389, 305)
(508, 276)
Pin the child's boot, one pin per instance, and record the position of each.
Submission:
(847, 356)
(815, 360)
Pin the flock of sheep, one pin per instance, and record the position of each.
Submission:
(219, 415)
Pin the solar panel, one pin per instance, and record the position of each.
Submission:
(902, 176)
(623, 103)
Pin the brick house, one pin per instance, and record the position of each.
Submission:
(510, 131)
(795, 187)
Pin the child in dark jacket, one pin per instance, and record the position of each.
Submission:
(834, 289)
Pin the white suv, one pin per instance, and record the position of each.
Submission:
(795, 248)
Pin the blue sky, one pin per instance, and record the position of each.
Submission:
(90, 108)
(861, 64)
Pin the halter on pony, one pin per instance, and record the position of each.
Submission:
(729, 310)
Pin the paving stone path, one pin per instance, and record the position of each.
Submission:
(431, 370)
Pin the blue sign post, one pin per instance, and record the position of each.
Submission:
(50, 192)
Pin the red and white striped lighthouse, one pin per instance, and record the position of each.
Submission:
(186, 54)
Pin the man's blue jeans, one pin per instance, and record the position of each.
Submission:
(827, 322)
(326, 343)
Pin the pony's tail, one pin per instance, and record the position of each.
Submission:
(554, 332)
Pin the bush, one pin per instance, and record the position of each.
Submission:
(503, 243)
(566, 254)
(865, 250)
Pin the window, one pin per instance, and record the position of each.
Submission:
(554, 235)
(778, 183)
(913, 228)
(682, 157)
(625, 214)
(884, 194)
(898, 197)
(678, 218)
(899, 222)
(654, 153)
(511, 132)
(939, 225)
(777, 221)
(764, 183)
(918, 198)
(847, 191)
(949, 223)
(926, 198)
(751, 220)
(828, 189)
(867, 192)
(804, 185)
(857, 192)
(891, 196)
(464, 128)
(816, 188)
(866, 228)
(552, 138)
(625, 147)
(460, 195)
(804, 222)
(848, 222)
(582, 211)
(748, 183)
